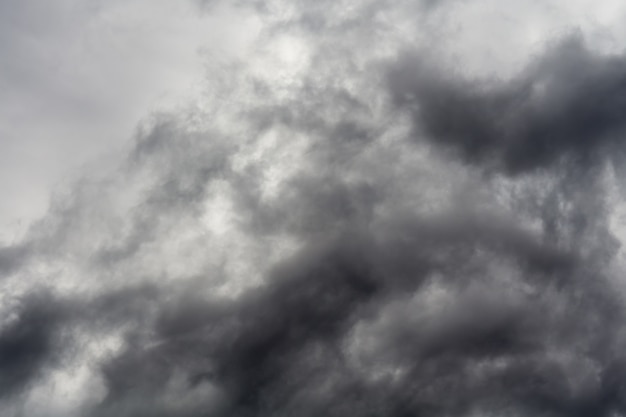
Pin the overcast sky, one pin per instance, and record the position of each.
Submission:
(293, 208)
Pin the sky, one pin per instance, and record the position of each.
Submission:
(374, 208)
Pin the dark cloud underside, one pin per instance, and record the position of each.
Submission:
(566, 106)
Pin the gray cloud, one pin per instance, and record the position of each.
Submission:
(564, 107)
(28, 341)
(291, 347)
(297, 246)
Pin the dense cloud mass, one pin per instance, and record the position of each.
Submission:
(567, 105)
(346, 223)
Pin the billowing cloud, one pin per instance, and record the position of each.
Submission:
(565, 106)
(341, 222)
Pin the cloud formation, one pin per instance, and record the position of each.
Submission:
(345, 224)
(564, 106)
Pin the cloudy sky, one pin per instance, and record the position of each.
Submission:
(375, 208)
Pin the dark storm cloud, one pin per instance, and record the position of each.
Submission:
(565, 107)
(532, 327)
(287, 348)
(29, 341)
(39, 332)
(386, 307)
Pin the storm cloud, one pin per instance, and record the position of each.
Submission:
(564, 107)
(342, 220)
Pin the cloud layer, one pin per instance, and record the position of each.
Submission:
(346, 222)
